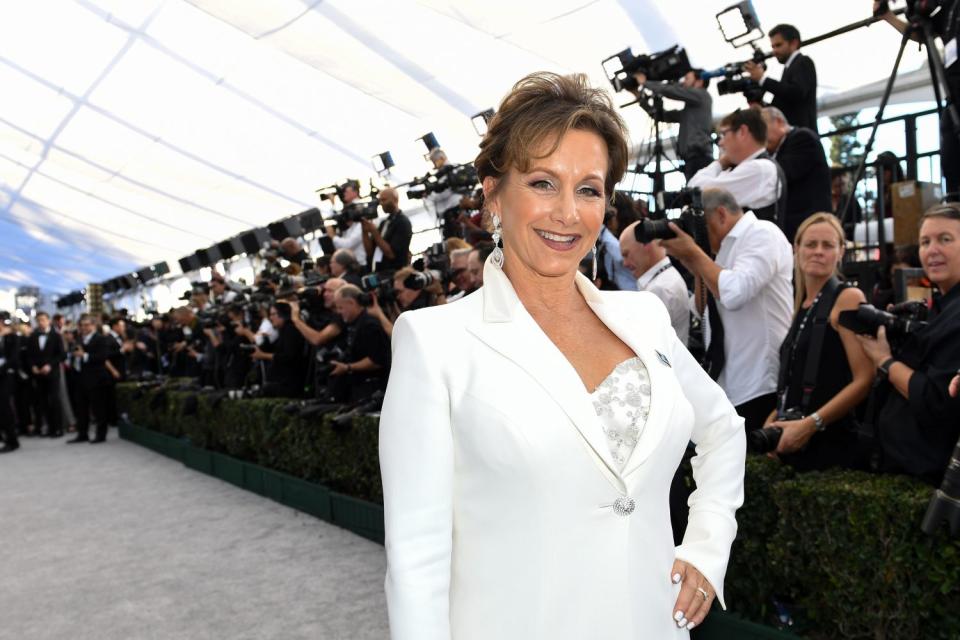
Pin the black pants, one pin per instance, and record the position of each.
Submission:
(47, 403)
(111, 404)
(755, 412)
(8, 422)
(92, 402)
(23, 402)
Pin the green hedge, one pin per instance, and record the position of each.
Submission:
(845, 548)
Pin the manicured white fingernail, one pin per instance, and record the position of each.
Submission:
(691, 625)
(678, 615)
(676, 578)
(681, 623)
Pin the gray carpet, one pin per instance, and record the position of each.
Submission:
(116, 542)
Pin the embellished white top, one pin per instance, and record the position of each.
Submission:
(622, 402)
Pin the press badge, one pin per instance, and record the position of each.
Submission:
(950, 53)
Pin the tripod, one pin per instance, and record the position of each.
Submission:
(654, 108)
(917, 24)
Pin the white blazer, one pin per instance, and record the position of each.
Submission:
(499, 485)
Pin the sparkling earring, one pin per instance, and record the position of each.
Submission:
(497, 256)
(594, 278)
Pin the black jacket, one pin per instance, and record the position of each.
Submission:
(804, 164)
(288, 369)
(10, 352)
(918, 435)
(52, 353)
(795, 93)
(92, 370)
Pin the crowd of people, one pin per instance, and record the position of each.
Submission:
(759, 300)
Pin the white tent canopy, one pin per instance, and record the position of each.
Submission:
(135, 131)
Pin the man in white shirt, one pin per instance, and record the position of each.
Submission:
(655, 273)
(744, 168)
(749, 285)
(352, 234)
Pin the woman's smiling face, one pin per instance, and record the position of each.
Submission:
(553, 212)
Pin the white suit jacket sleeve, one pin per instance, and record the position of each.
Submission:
(718, 469)
(416, 462)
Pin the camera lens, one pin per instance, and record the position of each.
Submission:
(649, 230)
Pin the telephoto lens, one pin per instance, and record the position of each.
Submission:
(945, 504)
(649, 230)
(764, 440)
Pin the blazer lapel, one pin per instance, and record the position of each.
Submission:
(638, 334)
(508, 329)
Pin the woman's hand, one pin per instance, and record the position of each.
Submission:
(877, 349)
(796, 434)
(696, 595)
(955, 386)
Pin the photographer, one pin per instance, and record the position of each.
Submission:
(944, 24)
(816, 405)
(331, 330)
(417, 289)
(350, 234)
(366, 363)
(746, 296)
(694, 144)
(461, 278)
(390, 241)
(799, 153)
(287, 362)
(221, 293)
(917, 424)
(234, 354)
(292, 251)
(344, 265)
(795, 93)
(655, 273)
(475, 261)
(611, 271)
(744, 167)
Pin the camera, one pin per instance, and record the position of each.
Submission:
(456, 177)
(375, 283)
(736, 80)
(901, 321)
(692, 219)
(766, 440)
(670, 65)
(356, 211)
(945, 504)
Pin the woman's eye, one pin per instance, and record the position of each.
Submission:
(590, 191)
(541, 184)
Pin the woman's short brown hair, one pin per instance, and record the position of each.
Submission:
(948, 210)
(545, 105)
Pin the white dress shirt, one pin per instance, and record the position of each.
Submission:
(753, 182)
(756, 306)
(352, 239)
(666, 283)
(43, 341)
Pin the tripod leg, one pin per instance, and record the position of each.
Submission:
(873, 132)
(949, 148)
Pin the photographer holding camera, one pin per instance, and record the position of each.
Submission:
(366, 361)
(694, 143)
(348, 234)
(746, 296)
(795, 93)
(744, 167)
(344, 265)
(389, 243)
(287, 369)
(824, 372)
(917, 426)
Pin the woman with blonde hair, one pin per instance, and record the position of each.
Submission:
(815, 408)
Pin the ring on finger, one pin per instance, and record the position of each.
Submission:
(703, 592)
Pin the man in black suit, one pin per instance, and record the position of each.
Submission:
(44, 355)
(795, 93)
(9, 366)
(799, 153)
(89, 359)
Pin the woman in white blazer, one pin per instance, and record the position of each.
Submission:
(531, 430)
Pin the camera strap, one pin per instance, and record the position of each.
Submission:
(819, 313)
(821, 319)
(777, 211)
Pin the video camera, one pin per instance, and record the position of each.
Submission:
(460, 178)
(901, 321)
(667, 65)
(692, 219)
(737, 80)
